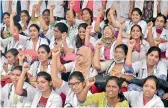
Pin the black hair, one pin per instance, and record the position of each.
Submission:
(45, 75)
(78, 75)
(18, 26)
(20, 68)
(107, 11)
(90, 12)
(136, 25)
(154, 48)
(36, 26)
(137, 10)
(27, 13)
(5, 13)
(164, 17)
(119, 83)
(45, 47)
(62, 27)
(79, 41)
(154, 78)
(13, 51)
(123, 47)
(46, 10)
(74, 13)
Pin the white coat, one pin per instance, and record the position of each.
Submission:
(53, 101)
(135, 99)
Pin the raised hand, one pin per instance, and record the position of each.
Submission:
(112, 11)
(72, 3)
(131, 43)
(88, 29)
(90, 82)
(150, 25)
(21, 56)
(13, 14)
(122, 23)
(52, 7)
(99, 45)
(35, 7)
(56, 50)
(100, 12)
(64, 35)
(26, 67)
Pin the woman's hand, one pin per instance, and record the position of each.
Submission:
(21, 56)
(64, 35)
(131, 43)
(150, 25)
(88, 29)
(165, 96)
(90, 82)
(52, 7)
(99, 45)
(13, 14)
(26, 67)
(56, 50)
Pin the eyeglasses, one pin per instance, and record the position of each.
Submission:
(73, 84)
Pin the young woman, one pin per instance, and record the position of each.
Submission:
(113, 97)
(141, 47)
(117, 66)
(43, 63)
(11, 62)
(135, 19)
(5, 26)
(152, 65)
(44, 96)
(70, 21)
(25, 21)
(147, 97)
(9, 96)
(71, 88)
(100, 25)
(109, 41)
(83, 38)
(158, 32)
(34, 41)
(83, 63)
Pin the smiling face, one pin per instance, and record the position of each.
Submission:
(108, 32)
(82, 33)
(76, 85)
(135, 17)
(33, 31)
(86, 15)
(153, 58)
(136, 32)
(43, 84)
(149, 88)
(112, 89)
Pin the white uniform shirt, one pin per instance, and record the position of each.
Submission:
(159, 70)
(28, 43)
(9, 96)
(71, 98)
(163, 35)
(144, 47)
(135, 99)
(54, 100)
(129, 24)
